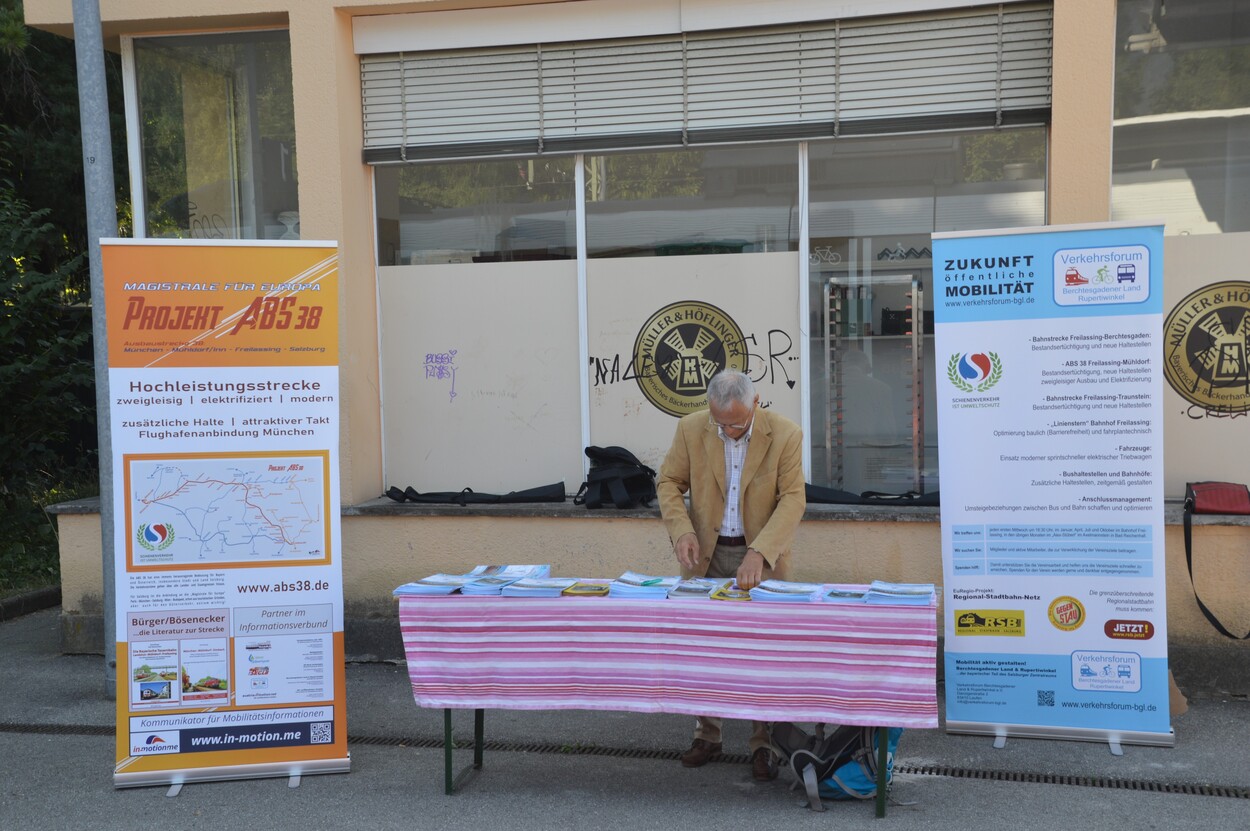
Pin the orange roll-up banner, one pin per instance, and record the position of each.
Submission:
(224, 387)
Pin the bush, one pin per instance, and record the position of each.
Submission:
(29, 556)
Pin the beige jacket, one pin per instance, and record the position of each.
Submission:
(772, 492)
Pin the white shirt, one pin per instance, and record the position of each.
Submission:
(735, 457)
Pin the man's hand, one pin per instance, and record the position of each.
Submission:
(687, 551)
(751, 570)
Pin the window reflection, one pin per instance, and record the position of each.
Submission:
(218, 136)
(475, 212)
(874, 204)
(724, 200)
(1181, 146)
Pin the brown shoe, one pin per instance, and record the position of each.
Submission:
(763, 766)
(699, 753)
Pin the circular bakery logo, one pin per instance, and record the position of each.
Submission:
(680, 348)
(1206, 341)
(1066, 613)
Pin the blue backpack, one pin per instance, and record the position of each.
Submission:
(839, 765)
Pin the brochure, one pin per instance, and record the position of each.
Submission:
(782, 591)
(883, 593)
(586, 588)
(696, 588)
(635, 584)
(845, 594)
(537, 587)
(730, 592)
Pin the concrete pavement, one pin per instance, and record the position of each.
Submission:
(577, 769)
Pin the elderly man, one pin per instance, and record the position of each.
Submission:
(743, 468)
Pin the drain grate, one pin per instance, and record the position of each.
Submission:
(1108, 782)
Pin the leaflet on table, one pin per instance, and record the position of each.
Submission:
(588, 588)
(538, 587)
(845, 594)
(638, 585)
(883, 593)
(484, 579)
(1050, 345)
(730, 592)
(783, 591)
(696, 588)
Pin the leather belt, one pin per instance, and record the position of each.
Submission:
(731, 540)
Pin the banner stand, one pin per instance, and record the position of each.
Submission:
(224, 378)
(1050, 427)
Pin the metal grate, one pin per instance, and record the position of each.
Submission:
(1108, 782)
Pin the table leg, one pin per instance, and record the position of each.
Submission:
(450, 781)
(883, 757)
(478, 732)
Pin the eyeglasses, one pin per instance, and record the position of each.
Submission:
(716, 423)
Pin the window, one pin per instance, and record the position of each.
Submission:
(1181, 146)
(725, 200)
(216, 128)
(476, 212)
(873, 205)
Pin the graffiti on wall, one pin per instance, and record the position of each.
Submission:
(1206, 346)
(681, 346)
(441, 366)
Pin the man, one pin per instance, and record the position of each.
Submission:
(743, 468)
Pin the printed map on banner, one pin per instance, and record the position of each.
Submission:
(226, 509)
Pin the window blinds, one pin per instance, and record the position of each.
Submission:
(988, 66)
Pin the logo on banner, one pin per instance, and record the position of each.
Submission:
(1009, 623)
(680, 348)
(1131, 630)
(154, 743)
(1092, 276)
(974, 371)
(1207, 341)
(1066, 613)
(155, 537)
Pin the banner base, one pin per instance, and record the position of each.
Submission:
(268, 770)
(1074, 734)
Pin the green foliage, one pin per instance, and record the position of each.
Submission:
(28, 545)
(47, 386)
(39, 113)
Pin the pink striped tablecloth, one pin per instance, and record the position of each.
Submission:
(807, 662)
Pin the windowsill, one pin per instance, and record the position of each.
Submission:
(383, 506)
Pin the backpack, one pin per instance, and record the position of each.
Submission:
(617, 478)
(840, 765)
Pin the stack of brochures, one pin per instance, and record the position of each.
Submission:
(435, 584)
(695, 588)
(786, 592)
(485, 579)
(845, 594)
(538, 587)
(587, 588)
(730, 591)
(492, 579)
(882, 593)
(635, 585)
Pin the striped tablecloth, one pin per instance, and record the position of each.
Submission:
(807, 662)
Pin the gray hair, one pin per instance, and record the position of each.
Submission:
(728, 386)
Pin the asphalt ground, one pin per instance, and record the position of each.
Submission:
(575, 769)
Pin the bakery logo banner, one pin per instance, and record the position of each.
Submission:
(680, 348)
(1206, 346)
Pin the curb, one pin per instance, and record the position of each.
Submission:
(31, 601)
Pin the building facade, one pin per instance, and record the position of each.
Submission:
(556, 219)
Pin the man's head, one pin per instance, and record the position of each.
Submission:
(731, 398)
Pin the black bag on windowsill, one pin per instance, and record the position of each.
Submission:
(1212, 498)
(616, 477)
(546, 493)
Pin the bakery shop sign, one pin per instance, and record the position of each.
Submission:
(1206, 341)
(680, 348)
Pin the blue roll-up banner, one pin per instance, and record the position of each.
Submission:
(1050, 426)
